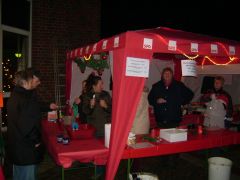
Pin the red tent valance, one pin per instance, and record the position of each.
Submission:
(163, 40)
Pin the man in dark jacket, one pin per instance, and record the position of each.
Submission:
(167, 96)
(24, 145)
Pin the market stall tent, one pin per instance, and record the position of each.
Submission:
(131, 53)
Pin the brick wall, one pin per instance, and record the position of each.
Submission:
(62, 25)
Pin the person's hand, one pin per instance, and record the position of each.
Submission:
(103, 103)
(77, 100)
(37, 145)
(53, 106)
(213, 96)
(92, 102)
(161, 101)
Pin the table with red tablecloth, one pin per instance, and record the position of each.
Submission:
(93, 150)
(85, 150)
(195, 142)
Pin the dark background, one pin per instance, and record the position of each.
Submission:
(213, 17)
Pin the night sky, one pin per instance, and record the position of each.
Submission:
(213, 17)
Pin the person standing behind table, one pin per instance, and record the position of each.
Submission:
(221, 95)
(97, 104)
(167, 96)
(24, 145)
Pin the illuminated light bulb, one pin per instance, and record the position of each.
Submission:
(190, 57)
(18, 55)
(87, 58)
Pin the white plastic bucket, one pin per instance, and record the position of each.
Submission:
(143, 176)
(219, 168)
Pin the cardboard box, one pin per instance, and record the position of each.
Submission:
(173, 134)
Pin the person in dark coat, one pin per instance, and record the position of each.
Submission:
(24, 144)
(167, 96)
(97, 104)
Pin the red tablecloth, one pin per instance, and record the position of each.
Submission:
(89, 150)
(93, 150)
(195, 142)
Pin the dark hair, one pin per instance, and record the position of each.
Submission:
(165, 70)
(92, 80)
(20, 77)
(33, 72)
(220, 78)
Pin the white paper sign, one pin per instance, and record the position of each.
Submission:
(95, 47)
(194, 47)
(231, 50)
(189, 68)
(86, 50)
(214, 49)
(104, 45)
(137, 67)
(172, 45)
(116, 41)
(147, 43)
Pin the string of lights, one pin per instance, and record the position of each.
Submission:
(231, 59)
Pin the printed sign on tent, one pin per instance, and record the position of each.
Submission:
(194, 47)
(137, 67)
(231, 50)
(116, 41)
(189, 68)
(147, 43)
(172, 45)
(95, 47)
(214, 48)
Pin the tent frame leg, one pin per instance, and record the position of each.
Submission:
(62, 173)
(129, 164)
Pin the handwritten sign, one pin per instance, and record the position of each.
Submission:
(137, 67)
(189, 68)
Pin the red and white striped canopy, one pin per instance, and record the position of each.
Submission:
(163, 40)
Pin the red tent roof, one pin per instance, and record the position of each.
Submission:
(163, 40)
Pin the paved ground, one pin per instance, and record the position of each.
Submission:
(186, 166)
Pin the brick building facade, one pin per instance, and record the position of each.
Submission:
(58, 26)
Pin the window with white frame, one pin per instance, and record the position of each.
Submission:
(15, 43)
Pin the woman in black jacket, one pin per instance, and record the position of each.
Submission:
(24, 145)
(167, 96)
